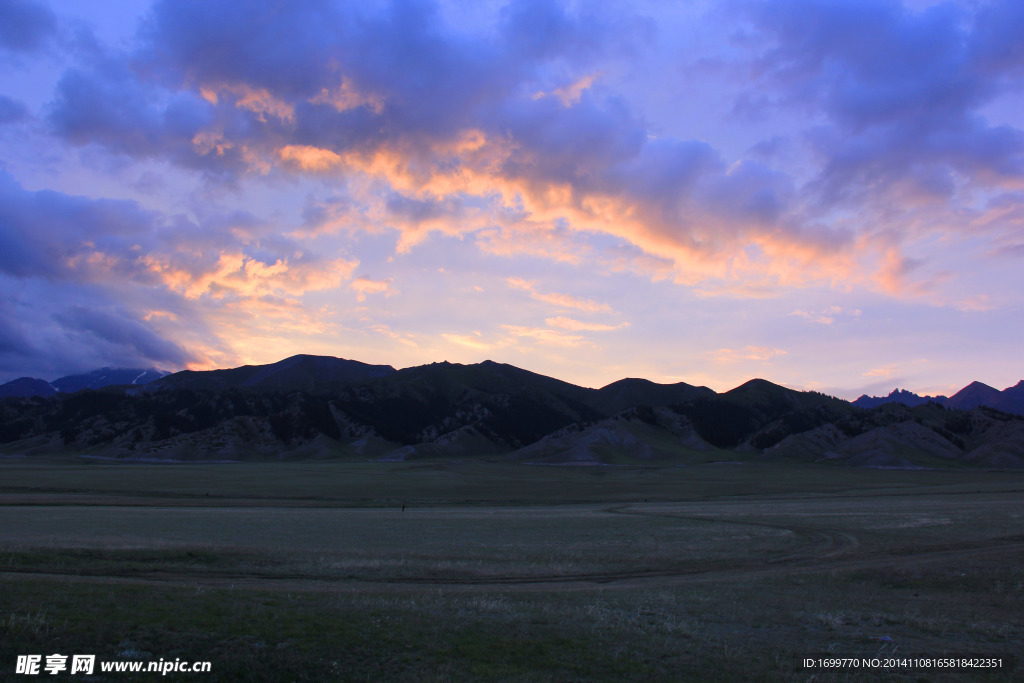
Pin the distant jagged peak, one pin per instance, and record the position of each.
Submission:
(971, 396)
(897, 395)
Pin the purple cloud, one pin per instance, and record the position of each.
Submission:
(26, 25)
(52, 235)
(902, 88)
(13, 341)
(11, 111)
(128, 338)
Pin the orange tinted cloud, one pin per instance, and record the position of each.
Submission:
(244, 276)
(755, 353)
(570, 94)
(580, 326)
(346, 97)
(556, 299)
(208, 141)
(828, 315)
(257, 100)
(474, 165)
(309, 158)
(364, 285)
(542, 335)
(472, 342)
(529, 238)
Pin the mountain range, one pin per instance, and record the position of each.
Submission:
(974, 395)
(103, 377)
(324, 407)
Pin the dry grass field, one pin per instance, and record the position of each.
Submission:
(313, 571)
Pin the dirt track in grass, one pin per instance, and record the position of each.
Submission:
(818, 549)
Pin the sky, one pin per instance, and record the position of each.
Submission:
(828, 194)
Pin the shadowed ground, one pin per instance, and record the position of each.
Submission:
(510, 572)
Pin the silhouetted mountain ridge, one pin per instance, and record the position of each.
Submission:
(300, 372)
(907, 398)
(96, 379)
(104, 377)
(631, 392)
(317, 406)
(25, 387)
(974, 395)
(759, 413)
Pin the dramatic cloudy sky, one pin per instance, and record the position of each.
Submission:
(825, 193)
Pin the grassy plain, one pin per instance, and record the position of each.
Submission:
(494, 571)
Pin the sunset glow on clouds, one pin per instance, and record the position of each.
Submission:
(827, 194)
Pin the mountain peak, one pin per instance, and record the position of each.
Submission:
(24, 387)
(301, 371)
(633, 391)
(975, 390)
(759, 385)
(976, 394)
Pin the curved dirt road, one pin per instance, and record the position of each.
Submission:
(819, 548)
